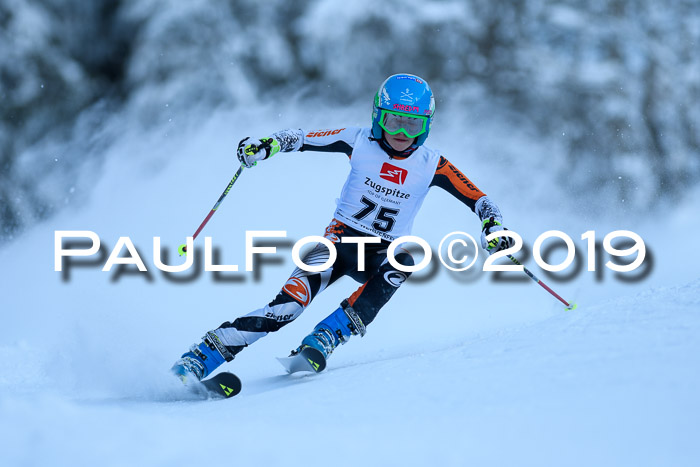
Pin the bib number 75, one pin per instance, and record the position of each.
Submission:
(385, 218)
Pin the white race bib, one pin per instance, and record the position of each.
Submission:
(383, 195)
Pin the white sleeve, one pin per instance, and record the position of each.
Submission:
(332, 140)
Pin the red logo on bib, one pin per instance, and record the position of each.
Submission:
(393, 174)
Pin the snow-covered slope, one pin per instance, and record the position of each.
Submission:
(456, 370)
(612, 384)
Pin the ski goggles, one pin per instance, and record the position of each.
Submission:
(397, 122)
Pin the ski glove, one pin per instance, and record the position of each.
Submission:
(249, 153)
(497, 244)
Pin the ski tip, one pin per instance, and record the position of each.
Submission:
(309, 359)
(224, 385)
(572, 306)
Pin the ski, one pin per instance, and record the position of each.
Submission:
(221, 386)
(224, 385)
(309, 359)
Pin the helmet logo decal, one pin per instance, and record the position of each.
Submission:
(406, 108)
(385, 96)
(407, 96)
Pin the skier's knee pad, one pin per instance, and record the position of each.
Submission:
(393, 276)
(405, 259)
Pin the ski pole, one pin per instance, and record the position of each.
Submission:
(183, 248)
(569, 306)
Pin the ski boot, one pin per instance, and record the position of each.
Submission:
(334, 330)
(202, 359)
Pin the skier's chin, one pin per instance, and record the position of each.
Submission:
(399, 143)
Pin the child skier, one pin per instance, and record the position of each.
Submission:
(391, 172)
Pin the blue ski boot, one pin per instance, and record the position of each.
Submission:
(202, 359)
(334, 330)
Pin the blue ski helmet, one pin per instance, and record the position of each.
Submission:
(405, 94)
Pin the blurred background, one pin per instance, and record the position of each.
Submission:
(122, 118)
(609, 88)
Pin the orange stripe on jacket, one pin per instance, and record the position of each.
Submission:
(449, 178)
(458, 179)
